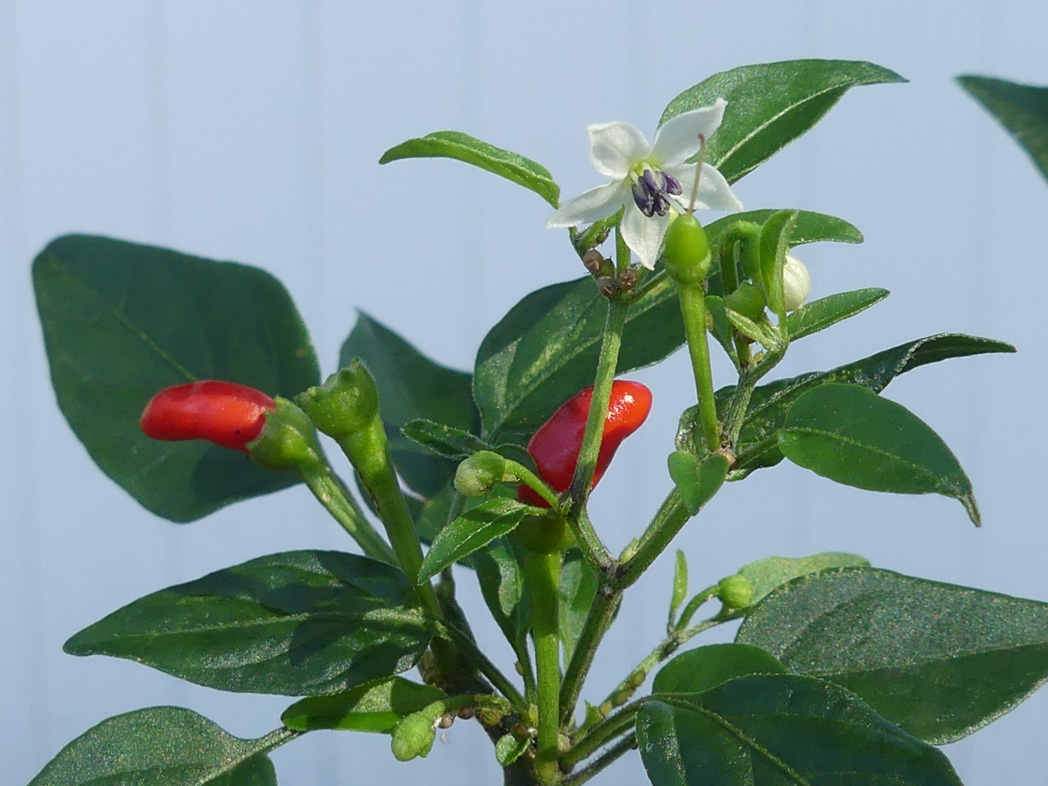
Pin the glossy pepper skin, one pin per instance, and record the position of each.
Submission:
(555, 446)
(225, 413)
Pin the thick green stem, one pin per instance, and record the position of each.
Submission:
(333, 495)
(610, 756)
(669, 519)
(693, 309)
(543, 578)
(599, 619)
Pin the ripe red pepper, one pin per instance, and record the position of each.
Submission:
(225, 413)
(555, 446)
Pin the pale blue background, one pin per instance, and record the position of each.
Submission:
(251, 131)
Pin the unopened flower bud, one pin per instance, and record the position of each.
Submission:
(414, 735)
(476, 475)
(593, 260)
(796, 282)
(735, 592)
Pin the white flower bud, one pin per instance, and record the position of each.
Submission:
(795, 283)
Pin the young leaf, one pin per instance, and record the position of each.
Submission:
(372, 707)
(777, 730)
(447, 441)
(707, 667)
(411, 387)
(297, 623)
(509, 748)
(680, 586)
(578, 587)
(757, 446)
(463, 147)
(545, 349)
(697, 479)
(162, 746)
(1021, 109)
(770, 105)
(123, 321)
(775, 237)
(473, 530)
(821, 314)
(939, 660)
(768, 574)
(853, 436)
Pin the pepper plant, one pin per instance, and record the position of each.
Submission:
(170, 368)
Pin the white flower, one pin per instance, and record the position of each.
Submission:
(645, 179)
(796, 282)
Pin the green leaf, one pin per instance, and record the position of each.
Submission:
(451, 443)
(768, 574)
(680, 586)
(501, 578)
(297, 623)
(123, 321)
(697, 479)
(853, 436)
(1021, 109)
(473, 530)
(463, 147)
(577, 590)
(509, 748)
(707, 667)
(770, 105)
(758, 447)
(939, 660)
(777, 730)
(373, 707)
(545, 349)
(161, 746)
(775, 237)
(412, 387)
(821, 314)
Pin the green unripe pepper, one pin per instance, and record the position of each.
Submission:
(686, 253)
(344, 404)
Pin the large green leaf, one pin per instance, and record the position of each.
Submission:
(768, 574)
(463, 147)
(545, 349)
(161, 746)
(757, 446)
(501, 578)
(779, 730)
(1021, 109)
(939, 660)
(853, 436)
(297, 623)
(122, 321)
(707, 667)
(411, 386)
(770, 105)
(825, 312)
(372, 707)
(471, 531)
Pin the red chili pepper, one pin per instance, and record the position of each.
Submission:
(225, 413)
(555, 446)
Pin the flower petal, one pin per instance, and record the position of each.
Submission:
(591, 205)
(615, 147)
(678, 139)
(644, 235)
(714, 191)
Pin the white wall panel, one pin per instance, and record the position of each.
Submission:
(252, 130)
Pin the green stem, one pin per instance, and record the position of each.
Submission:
(740, 239)
(693, 309)
(598, 735)
(333, 495)
(669, 519)
(534, 482)
(610, 756)
(543, 578)
(693, 605)
(468, 647)
(740, 400)
(598, 620)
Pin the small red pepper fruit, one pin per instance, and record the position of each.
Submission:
(225, 413)
(555, 446)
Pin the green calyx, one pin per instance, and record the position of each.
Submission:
(549, 534)
(747, 300)
(287, 440)
(415, 733)
(345, 404)
(686, 253)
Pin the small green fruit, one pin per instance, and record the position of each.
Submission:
(686, 253)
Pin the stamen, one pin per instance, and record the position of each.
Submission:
(698, 173)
